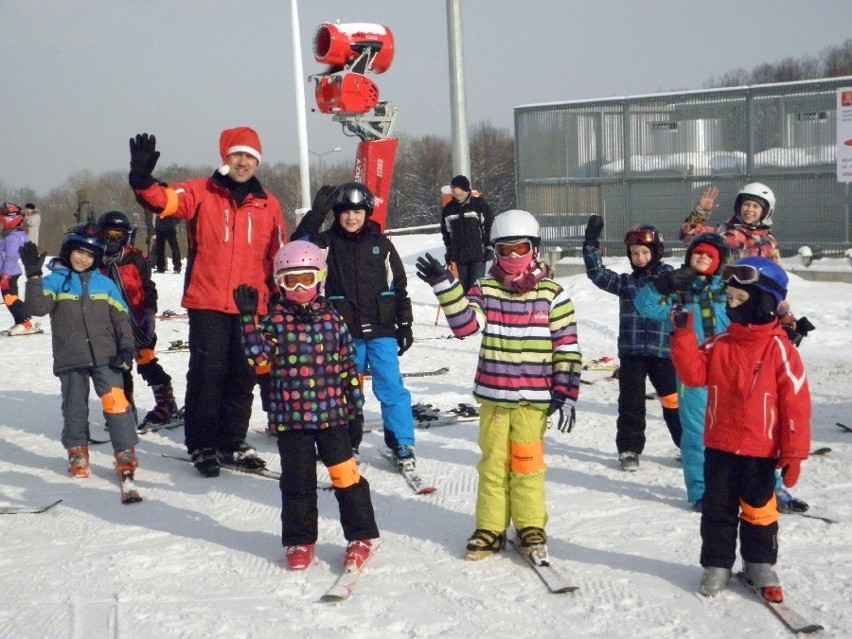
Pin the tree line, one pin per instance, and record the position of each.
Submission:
(833, 62)
(423, 165)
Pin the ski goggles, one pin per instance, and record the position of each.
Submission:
(296, 279)
(640, 236)
(115, 235)
(519, 248)
(747, 274)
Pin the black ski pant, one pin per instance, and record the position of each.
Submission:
(739, 492)
(219, 383)
(299, 514)
(13, 302)
(165, 236)
(469, 272)
(630, 425)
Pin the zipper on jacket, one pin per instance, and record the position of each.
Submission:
(249, 226)
(227, 225)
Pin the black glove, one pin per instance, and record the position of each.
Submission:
(121, 362)
(679, 316)
(430, 270)
(678, 280)
(31, 260)
(803, 326)
(566, 416)
(322, 199)
(489, 254)
(404, 337)
(246, 297)
(355, 428)
(143, 159)
(593, 231)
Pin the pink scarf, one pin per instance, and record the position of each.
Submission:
(522, 282)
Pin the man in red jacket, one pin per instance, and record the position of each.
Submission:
(758, 418)
(234, 228)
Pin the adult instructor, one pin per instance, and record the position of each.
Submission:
(234, 228)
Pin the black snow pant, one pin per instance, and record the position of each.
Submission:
(738, 490)
(152, 372)
(469, 272)
(168, 235)
(13, 302)
(630, 425)
(219, 383)
(299, 514)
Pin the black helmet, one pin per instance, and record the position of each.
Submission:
(713, 239)
(646, 235)
(116, 230)
(86, 237)
(352, 195)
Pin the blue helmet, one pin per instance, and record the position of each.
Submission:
(760, 272)
(86, 237)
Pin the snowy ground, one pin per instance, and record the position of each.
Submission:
(202, 557)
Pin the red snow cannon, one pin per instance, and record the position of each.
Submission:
(346, 93)
(341, 44)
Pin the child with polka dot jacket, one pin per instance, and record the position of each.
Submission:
(314, 393)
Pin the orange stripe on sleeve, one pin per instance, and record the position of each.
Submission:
(171, 203)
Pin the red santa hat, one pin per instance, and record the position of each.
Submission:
(241, 139)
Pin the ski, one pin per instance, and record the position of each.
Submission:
(27, 510)
(172, 315)
(175, 421)
(260, 472)
(129, 492)
(606, 364)
(552, 578)
(813, 516)
(844, 427)
(37, 330)
(438, 371)
(794, 621)
(343, 587)
(175, 346)
(412, 478)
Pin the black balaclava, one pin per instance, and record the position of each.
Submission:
(759, 308)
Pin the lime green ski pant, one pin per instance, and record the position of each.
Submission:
(511, 473)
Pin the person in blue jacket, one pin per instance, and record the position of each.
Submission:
(643, 343)
(697, 286)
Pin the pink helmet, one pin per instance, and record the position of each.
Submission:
(299, 254)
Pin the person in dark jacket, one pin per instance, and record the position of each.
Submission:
(165, 232)
(465, 227)
(643, 343)
(92, 339)
(367, 285)
(131, 271)
(234, 228)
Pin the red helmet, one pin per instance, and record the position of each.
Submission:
(11, 222)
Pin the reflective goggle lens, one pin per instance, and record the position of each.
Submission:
(518, 249)
(742, 273)
(115, 235)
(640, 236)
(291, 280)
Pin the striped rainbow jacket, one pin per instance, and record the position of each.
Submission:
(529, 352)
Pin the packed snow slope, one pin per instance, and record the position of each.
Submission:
(202, 557)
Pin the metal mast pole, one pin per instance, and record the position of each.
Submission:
(301, 118)
(458, 102)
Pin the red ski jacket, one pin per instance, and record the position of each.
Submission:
(758, 400)
(229, 244)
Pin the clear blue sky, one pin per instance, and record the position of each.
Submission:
(78, 78)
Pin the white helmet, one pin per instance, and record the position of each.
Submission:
(515, 224)
(764, 196)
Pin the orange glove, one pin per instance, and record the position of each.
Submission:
(790, 470)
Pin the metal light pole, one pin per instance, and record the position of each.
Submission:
(320, 156)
